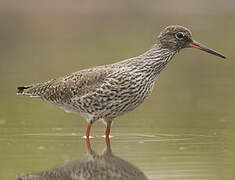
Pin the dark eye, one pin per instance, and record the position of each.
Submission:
(179, 35)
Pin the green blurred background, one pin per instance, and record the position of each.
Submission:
(193, 100)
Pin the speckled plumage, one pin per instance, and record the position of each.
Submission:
(106, 92)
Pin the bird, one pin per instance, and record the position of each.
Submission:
(106, 92)
(103, 166)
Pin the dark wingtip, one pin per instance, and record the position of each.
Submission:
(21, 89)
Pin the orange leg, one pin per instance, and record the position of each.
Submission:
(88, 130)
(88, 144)
(107, 132)
(107, 140)
(87, 137)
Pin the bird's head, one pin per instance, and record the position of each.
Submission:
(176, 37)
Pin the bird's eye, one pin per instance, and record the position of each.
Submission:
(179, 35)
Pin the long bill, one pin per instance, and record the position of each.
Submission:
(197, 45)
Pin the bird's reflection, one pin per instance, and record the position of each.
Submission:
(93, 166)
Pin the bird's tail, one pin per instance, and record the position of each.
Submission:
(30, 90)
(35, 90)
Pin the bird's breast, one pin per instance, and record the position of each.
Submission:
(116, 96)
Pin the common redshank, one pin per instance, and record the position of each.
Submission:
(106, 92)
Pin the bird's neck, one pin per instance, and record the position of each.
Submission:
(155, 59)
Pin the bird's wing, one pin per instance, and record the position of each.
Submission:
(64, 88)
(76, 84)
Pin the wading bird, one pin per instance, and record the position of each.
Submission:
(106, 92)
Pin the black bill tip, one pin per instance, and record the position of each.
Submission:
(199, 46)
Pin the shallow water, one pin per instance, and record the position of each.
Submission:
(186, 128)
(164, 154)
